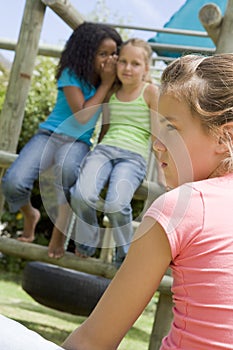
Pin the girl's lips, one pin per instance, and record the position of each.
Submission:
(163, 164)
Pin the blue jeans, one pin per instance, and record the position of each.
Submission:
(122, 171)
(43, 151)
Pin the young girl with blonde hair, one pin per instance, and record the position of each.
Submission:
(120, 159)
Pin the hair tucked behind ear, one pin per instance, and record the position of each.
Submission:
(206, 85)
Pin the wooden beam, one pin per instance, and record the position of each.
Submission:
(225, 42)
(36, 252)
(211, 18)
(20, 78)
(146, 189)
(66, 11)
(6, 159)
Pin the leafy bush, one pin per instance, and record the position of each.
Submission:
(4, 77)
(39, 104)
(41, 98)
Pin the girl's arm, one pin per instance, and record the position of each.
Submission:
(75, 97)
(151, 96)
(106, 111)
(129, 292)
(105, 121)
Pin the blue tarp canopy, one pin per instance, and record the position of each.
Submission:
(186, 18)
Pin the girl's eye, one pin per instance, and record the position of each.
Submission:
(102, 54)
(170, 127)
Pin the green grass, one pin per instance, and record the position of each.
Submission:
(54, 325)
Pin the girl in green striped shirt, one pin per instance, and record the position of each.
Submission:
(120, 159)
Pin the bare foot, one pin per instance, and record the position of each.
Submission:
(56, 248)
(30, 222)
(80, 255)
(25, 239)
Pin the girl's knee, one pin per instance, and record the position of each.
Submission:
(75, 194)
(82, 199)
(77, 200)
(117, 209)
(11, 185)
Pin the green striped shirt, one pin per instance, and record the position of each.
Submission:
(129, 125)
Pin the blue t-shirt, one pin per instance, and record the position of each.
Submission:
(61, 120)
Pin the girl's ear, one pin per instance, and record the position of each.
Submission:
(225, 138)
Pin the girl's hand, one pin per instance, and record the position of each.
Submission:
(108, 72)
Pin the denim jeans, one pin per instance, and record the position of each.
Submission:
(43, 151)
(122, 171)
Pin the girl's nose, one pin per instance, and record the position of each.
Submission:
(158, 146)
(127, 66)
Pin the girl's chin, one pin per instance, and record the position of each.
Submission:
(169, 185)
(171, 182)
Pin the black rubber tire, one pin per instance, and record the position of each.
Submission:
(63, 289)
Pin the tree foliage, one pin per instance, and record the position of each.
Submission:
(41, 98)
(4, 77)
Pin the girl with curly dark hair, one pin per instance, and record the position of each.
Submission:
(85, 74)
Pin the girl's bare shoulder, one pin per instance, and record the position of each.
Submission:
(152, 88)
(151, 94)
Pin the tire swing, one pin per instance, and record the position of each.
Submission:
(63, 289)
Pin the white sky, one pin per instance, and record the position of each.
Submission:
(148, 13)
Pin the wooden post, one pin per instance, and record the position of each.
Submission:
(163, 314)
(219, 28)
(211, 18)
(66, 11)
(20, 77)
(225, 42)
